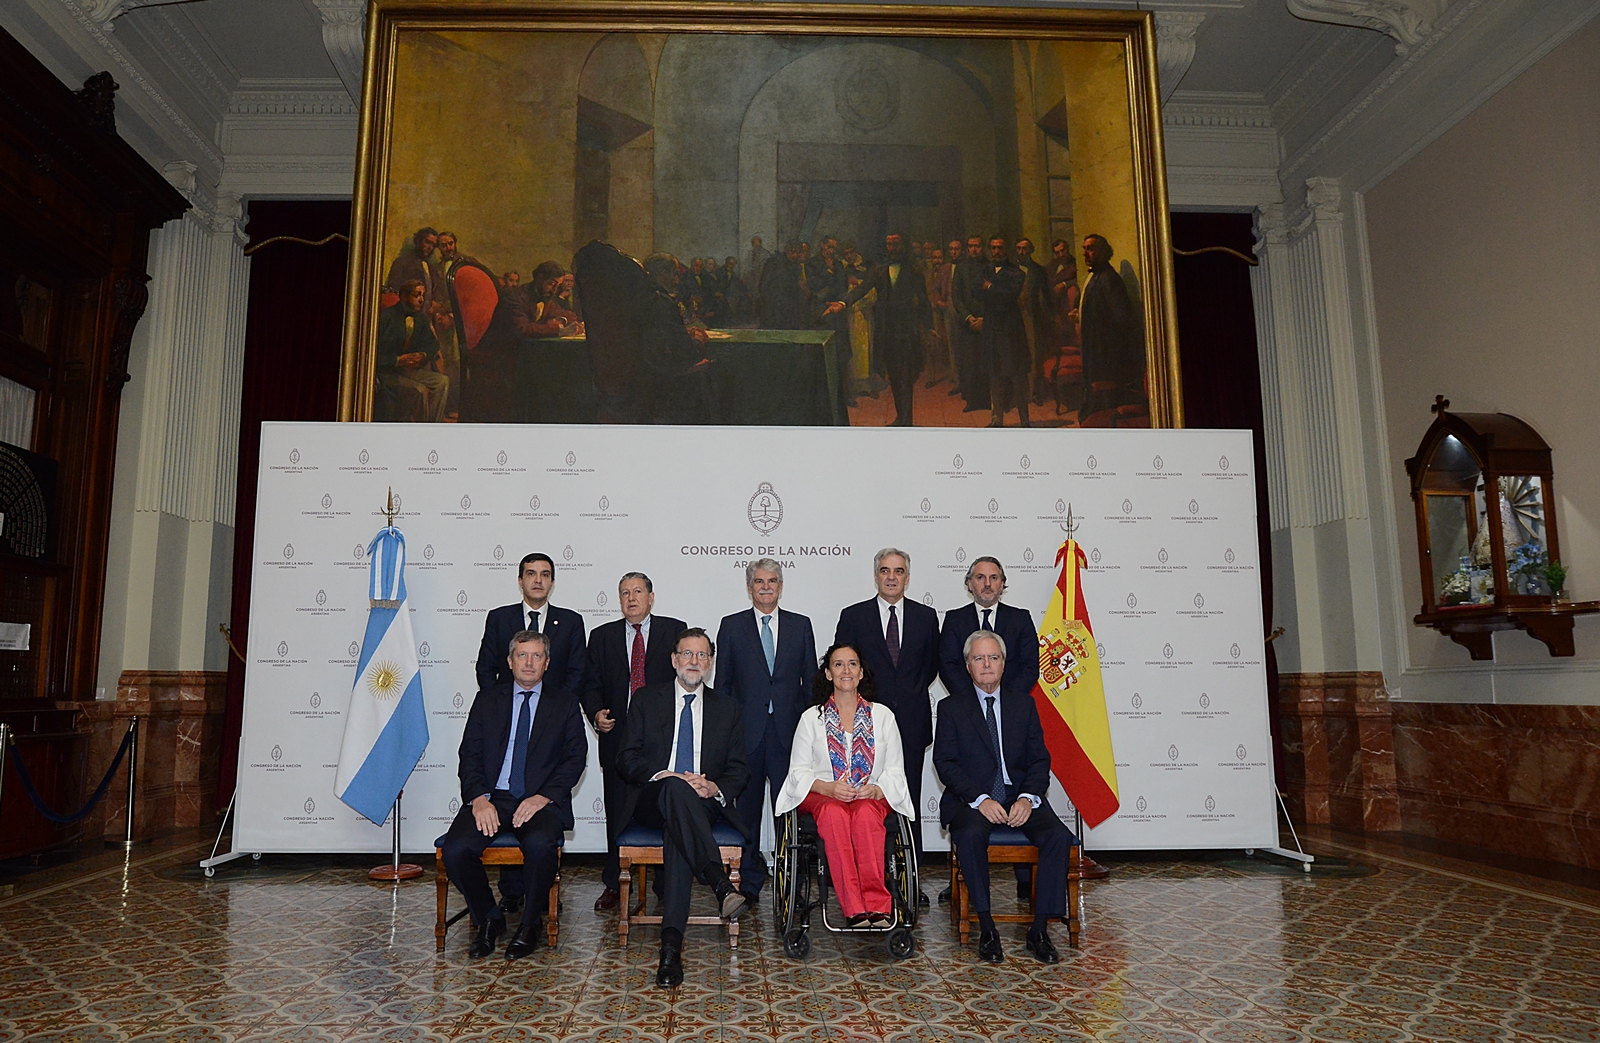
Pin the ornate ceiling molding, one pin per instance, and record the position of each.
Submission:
(1408, 21)
(343, 34)
(1175, 46)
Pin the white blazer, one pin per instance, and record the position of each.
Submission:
(809, 761)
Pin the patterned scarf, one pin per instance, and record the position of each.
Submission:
(859, 769)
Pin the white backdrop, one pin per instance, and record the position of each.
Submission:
(1168, 521)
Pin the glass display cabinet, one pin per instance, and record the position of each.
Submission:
(1486, 533)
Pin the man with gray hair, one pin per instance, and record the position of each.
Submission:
(767, 661)
(898, 639)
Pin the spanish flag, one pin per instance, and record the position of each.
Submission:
(1072, 699)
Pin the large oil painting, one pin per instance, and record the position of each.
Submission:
(760, 214)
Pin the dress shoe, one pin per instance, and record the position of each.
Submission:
(528, 937)
(488, 934)
(1043, 949)
(669, 972)
(953, 392)
(974, 408)
(511, 905)
(997, 421)
(989, 950)
(878, 919)
(922, 899)
(1089, 869)
(734, 904)
(858, 920)
(608, 900)
(944, 897)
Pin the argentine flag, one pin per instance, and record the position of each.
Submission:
(386, 727)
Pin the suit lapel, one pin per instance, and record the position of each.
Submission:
(880, 644)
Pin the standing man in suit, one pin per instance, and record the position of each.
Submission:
(624, 655)
(986, 582)
(899, 642)
(522, 752)
(536, 576)
(769, 657)
(682, 761)
(990, 755)
(901, 317)
(1002, 333)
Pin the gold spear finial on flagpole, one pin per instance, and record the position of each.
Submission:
(389, 510)
(1070, 526)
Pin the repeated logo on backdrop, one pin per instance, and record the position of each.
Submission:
(1165, 518)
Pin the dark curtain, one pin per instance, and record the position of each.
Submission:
(1222, 375)
(291, 372)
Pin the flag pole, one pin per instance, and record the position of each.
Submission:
(1088, 868)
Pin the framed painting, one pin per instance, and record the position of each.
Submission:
(760, 213)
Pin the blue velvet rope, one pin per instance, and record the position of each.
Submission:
(38, 801)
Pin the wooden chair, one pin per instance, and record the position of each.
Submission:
(1011, 847)
(638, 846)
(503, 850)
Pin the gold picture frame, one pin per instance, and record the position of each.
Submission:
(437, 69)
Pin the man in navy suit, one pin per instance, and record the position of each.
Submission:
(624, 655)
(899, 642)
(522, 752)
(985, 787)
(768, 659)
(536, 576)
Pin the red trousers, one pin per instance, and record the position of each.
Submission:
(853, 834)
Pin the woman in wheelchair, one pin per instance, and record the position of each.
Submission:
(846, 770)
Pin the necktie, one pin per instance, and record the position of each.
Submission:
(519, 749)
(636, 661)
(986, 624)
(891, 637)
(685, 761)
(997, 788)
(533, 620)
(768, 645)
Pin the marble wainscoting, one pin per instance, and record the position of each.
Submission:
(180, 740)
(1521, 780)
(1337, 736)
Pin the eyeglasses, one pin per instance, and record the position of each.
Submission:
(694, 657)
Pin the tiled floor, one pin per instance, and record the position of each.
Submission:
(1412, 946)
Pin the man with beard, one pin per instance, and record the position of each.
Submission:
(407, 350)
(1062, 272)
(413, 263)
(1035, 313)
(1002, 337)
(899, 319)
(1113, 349)
(781, 299)
(828, 280)
(939, 300)
(973, 377)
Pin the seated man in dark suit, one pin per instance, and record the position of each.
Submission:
(769, 658)
(898, 639)
(986, 582)
(624, 655)
(682, 760)
(521, 754)
(536, 576)
(983, 789)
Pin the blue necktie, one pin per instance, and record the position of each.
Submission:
(685, 760)
(997, 788)
(768, 645)
(519, 749)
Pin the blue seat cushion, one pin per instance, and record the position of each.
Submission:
(1005, 836)
(723, 834)
(504, 838)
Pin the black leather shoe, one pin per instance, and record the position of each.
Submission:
(922, 899)
(733, 903)
(511, 905)
(608, 900)
(669, 972)
(944, 897)
(989, 950)
(528, 937)
(1043, 949)
(488, 934)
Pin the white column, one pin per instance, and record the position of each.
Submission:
(169, 568)
(1324, 576)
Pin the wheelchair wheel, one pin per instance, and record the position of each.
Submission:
(797, 943)
(902, 943)
(901, 866)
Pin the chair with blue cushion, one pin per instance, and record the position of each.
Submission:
(642, 847)
(503, 850)
(1009, 846)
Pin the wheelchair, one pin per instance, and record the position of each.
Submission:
(800, 884)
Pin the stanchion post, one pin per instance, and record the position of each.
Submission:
(5, 741)
(133, 780)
